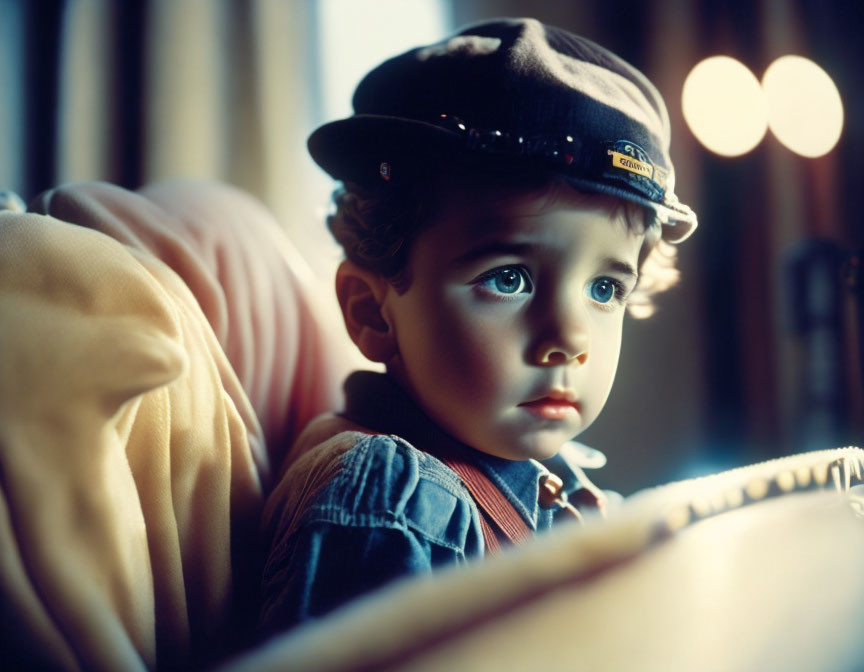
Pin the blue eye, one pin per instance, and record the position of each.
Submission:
(507, 280)
(604, 290)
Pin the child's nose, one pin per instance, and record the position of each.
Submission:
(558, 355)
(565, 341)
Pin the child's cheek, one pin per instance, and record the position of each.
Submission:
(486, 352)
(604, 355)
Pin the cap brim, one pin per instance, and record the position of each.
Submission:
(353, 150)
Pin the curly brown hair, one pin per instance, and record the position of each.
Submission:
(377, 225)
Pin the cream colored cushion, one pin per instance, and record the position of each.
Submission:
(132, 461)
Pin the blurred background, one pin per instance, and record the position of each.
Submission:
(756, 353)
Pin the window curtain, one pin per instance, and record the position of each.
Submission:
(136, 91)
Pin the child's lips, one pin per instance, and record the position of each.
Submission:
(555, 407)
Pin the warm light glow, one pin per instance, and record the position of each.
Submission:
(804, 107)
(724, 106)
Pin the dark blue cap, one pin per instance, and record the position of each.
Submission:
(515, 93)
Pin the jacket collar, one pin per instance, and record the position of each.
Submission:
(378, 402)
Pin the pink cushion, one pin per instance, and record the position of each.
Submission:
(240, 266)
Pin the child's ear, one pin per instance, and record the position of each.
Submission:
(361, 295)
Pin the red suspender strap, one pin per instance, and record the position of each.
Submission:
(492, 503)
(490, 537)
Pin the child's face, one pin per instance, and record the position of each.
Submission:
(509, 333)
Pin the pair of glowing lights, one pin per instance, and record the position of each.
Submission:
(729, 110)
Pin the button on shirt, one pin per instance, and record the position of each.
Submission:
(391, 508)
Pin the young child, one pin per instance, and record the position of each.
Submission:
(506, 194)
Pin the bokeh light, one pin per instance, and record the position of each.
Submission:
(805, 111)
(724, 106)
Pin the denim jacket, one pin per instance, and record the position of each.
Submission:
(365, 503)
